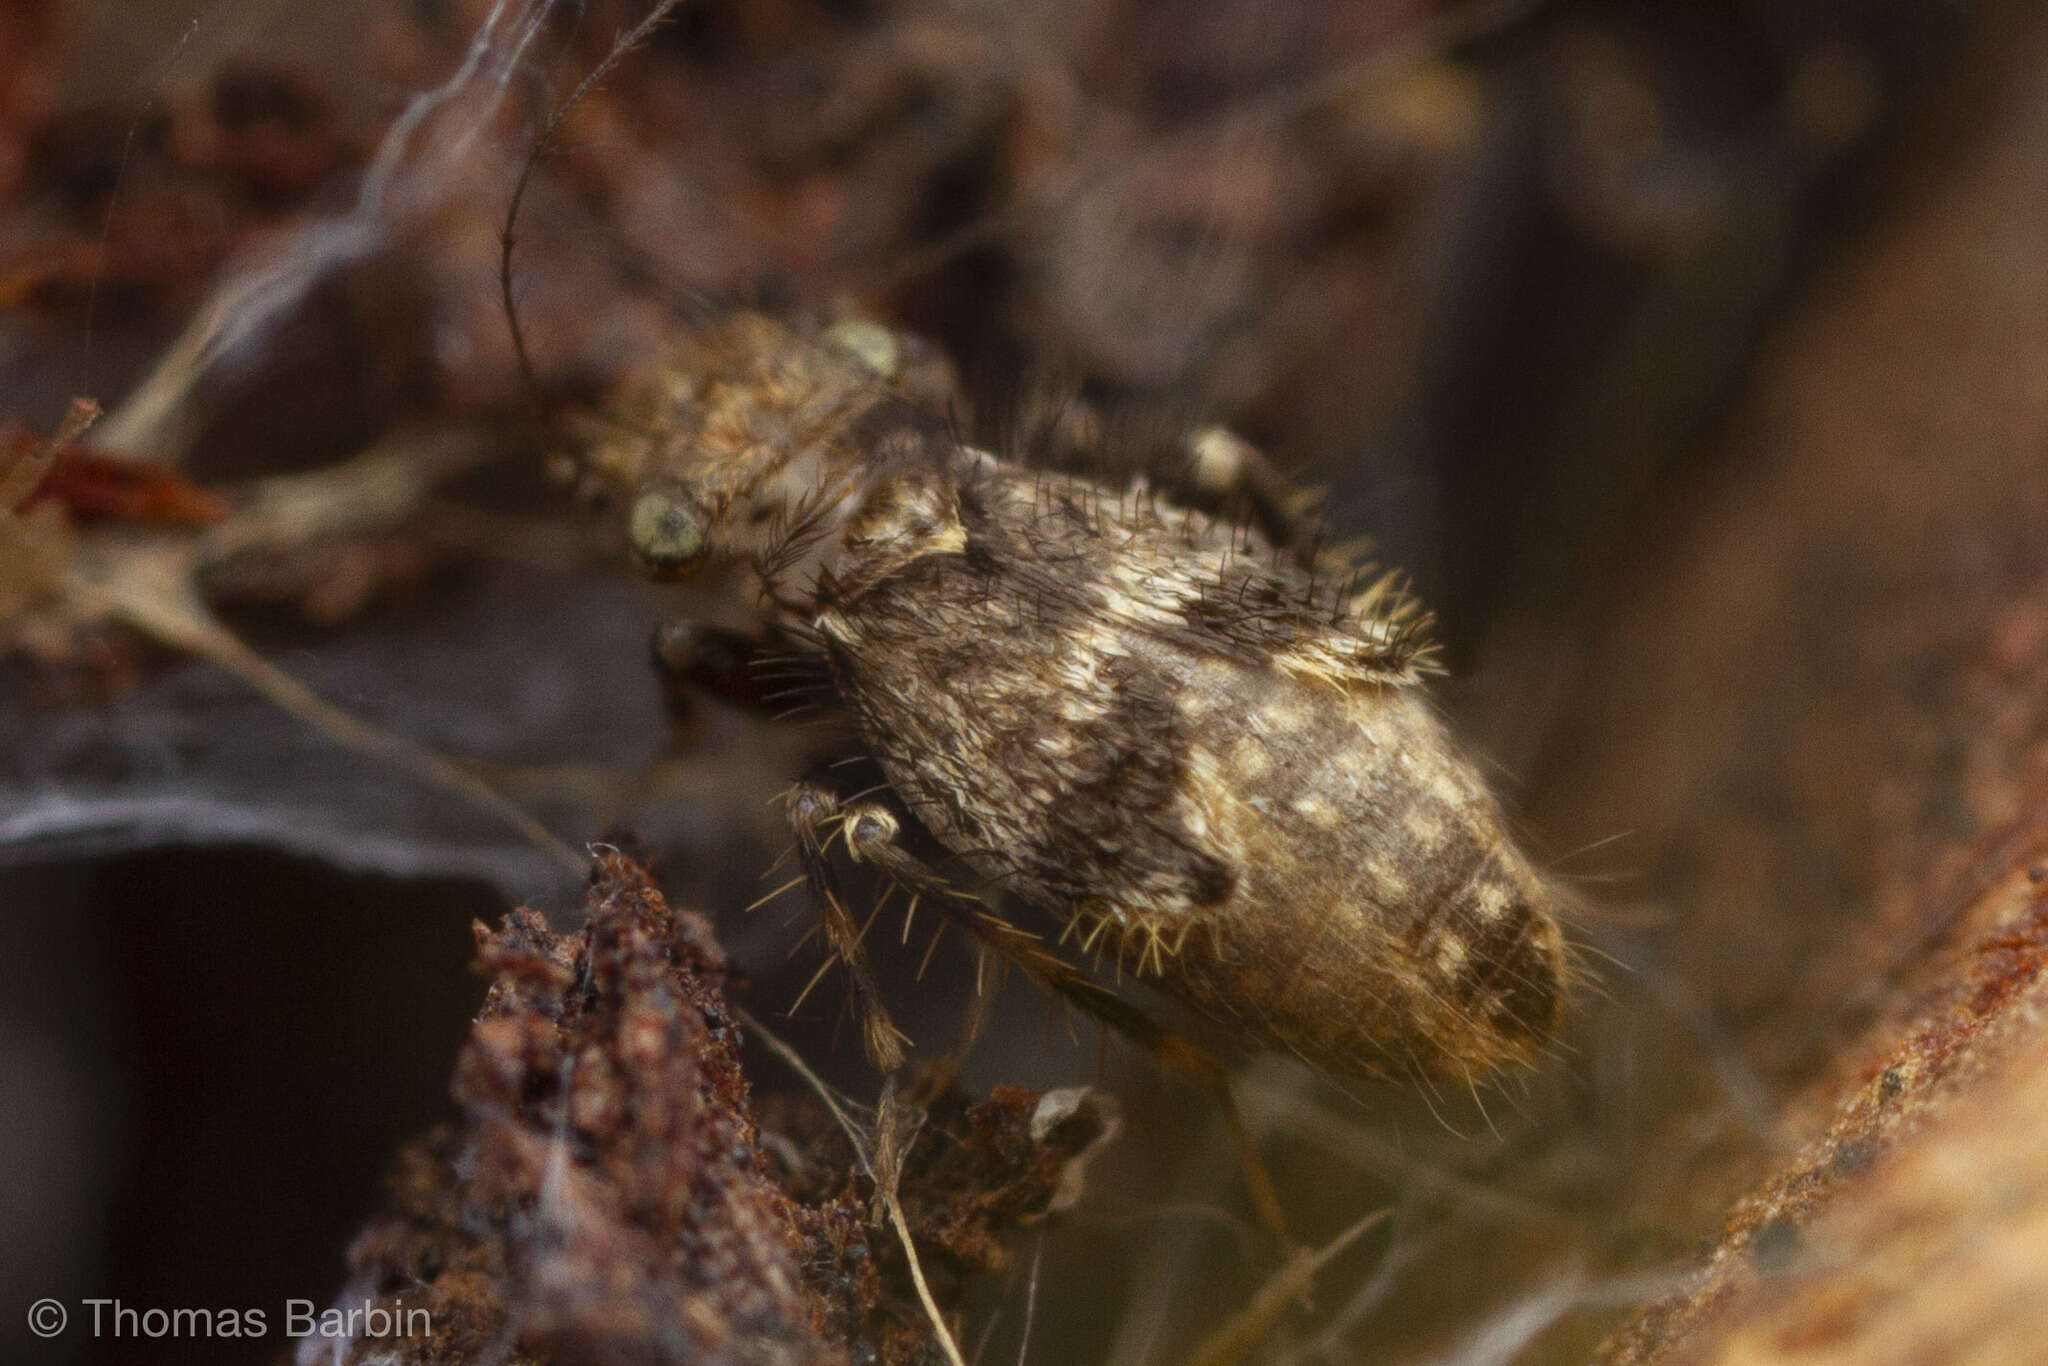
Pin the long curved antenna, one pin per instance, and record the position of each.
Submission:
(627, 42)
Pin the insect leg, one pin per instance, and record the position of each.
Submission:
(872, 832)
(812, 812)
(758, 673)
(1222, 467)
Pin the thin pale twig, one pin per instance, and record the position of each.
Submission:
(1285, 1286)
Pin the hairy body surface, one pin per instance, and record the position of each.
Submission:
(1194, 752)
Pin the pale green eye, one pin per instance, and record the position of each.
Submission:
(666, 533)
(874, 344)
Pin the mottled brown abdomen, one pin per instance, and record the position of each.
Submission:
(1248, 803)
(1380, 920)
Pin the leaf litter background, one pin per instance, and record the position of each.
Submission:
(1691, 357)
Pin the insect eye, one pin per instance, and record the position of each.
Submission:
(874, 345)
(666, 532)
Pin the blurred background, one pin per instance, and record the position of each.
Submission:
(1689, 358)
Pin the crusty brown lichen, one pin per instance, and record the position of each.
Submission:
(608, 1196)
(603, 1199)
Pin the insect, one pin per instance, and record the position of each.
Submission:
(1163, 735)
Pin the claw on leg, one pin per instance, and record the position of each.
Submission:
(812, 812)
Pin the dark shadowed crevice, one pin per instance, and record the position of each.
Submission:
(210, 1054)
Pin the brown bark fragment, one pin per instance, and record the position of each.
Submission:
(604, 1198)
(1828, 719)
(608, 1195)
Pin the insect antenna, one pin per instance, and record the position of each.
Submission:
(542, 145)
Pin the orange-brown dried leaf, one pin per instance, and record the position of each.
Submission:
(93, 485)
(34, 542)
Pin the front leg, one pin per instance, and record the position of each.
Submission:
(1223, 468)
(873, 837)
(766, 674)
(813, 811)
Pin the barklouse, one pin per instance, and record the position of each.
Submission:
(1181, 746)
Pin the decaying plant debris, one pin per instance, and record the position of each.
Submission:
(609, 1194)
